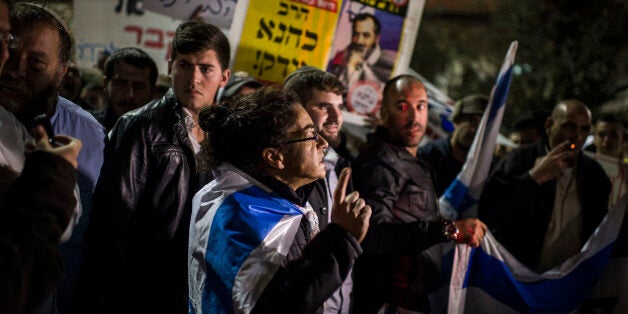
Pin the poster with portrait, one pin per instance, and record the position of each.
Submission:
(373, 42)
(277, 37)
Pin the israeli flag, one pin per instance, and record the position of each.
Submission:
(462, 195)
(240, 234)
(490, 280)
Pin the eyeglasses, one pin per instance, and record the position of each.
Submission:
(11, 40)
(313, 138)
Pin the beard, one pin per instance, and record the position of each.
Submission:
(42, 102)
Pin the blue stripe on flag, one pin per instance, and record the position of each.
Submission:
(240, 225)
(561, 295)
(458, 197)
(502, 86)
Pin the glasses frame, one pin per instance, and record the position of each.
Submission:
(11, 40)
(313, 138)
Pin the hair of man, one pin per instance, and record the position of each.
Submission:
(192, 37)
(611, 119)
(135, 57)
(238, 131)
(303, 84)
(390, 84)
(365, 16)
(25, 15)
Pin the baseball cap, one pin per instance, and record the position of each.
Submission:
(472, 104)
(237, 81)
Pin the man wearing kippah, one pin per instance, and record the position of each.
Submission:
(447, 155)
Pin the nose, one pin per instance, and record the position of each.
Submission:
(4, 53)
(413, 114)
(322, 143)
(333, 114)
(196, 75)
(130, 92)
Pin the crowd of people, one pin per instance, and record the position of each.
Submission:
(249, 200)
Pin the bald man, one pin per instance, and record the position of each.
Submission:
(542, 202)
(394, 274)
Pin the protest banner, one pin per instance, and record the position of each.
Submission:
(109, 25)
(373, 42)
(218, 12)
(274, 38)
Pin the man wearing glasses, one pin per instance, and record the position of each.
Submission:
(14, 135)
(138, 233)
(243, 254)
(320, 93)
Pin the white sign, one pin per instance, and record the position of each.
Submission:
(217, 12)
(109, 25)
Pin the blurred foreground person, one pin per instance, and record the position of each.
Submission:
(34, 216)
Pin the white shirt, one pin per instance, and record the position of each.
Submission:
(562, 239)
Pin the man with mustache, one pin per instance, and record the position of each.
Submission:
(394, 273)
(29, 86)
(550, 191)
(138, 233)
(129, 81)
(447, 155)
(363, 59)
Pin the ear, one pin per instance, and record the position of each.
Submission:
(273, 158)
(63, 68)
(225, 77)
(548, 125)
(170, 68)
(383, 113)
(105, 81)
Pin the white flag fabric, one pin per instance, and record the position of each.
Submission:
(250, 229)
(488, 279)
(461, 197)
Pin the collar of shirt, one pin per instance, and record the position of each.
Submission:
(331, 159)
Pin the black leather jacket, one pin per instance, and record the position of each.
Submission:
(404, 222)
(138, 233)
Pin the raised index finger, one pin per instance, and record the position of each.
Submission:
(343, 181)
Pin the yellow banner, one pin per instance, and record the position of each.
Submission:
(280, 36)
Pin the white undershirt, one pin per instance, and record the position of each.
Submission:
(189, 125)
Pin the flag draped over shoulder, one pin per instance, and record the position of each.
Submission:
(461, 197)
(490, 280)
(240, 233)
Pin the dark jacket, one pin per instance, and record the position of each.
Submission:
(318, 199)
(517, 210)
(318, 196)
(405, 221)
(438, 154)
(33, 216)
(138, 232)
(313, 269)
